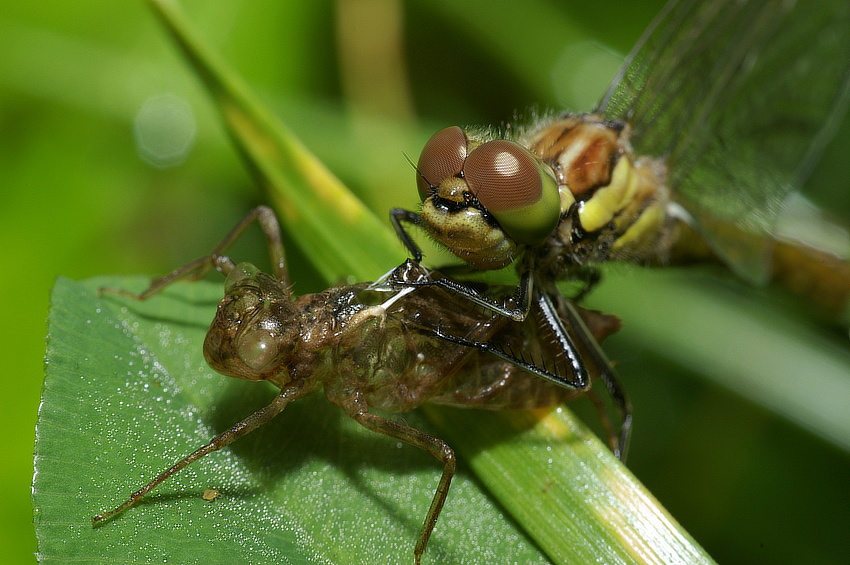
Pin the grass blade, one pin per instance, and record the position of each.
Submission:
(322, 216)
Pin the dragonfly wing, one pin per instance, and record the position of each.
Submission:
(739, 97)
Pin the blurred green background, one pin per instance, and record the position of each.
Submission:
(113, 161)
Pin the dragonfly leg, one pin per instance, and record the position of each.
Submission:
(515, 307)
(614, 440)
(249, 424)
(593, 356)
(357, 409)
(399, 215)
(573, 377)
(551, 318)
(263, 215)
(589, 278)
(517, 310)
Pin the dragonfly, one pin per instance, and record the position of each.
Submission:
(383, 346)
(719, 112)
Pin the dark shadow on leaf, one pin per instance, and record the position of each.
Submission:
(310, 427)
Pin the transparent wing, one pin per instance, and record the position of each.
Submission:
(739, 96)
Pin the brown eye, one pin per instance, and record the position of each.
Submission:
(518, 189)
(503, 176)
(441, 158)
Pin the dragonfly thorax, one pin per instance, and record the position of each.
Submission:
(619, 209)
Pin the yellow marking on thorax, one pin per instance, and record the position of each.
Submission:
(649, 222)
(608, 202)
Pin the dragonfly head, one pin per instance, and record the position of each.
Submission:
(485, 199)
(250, 337)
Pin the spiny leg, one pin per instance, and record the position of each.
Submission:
(614, 440)
(554, 375)
(263, 215)
(593, 356)
(550, 318)
(515, 308)
(356, 408)
(399, 215)
(580, 351)
(249, 424)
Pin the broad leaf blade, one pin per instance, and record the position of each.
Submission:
(127, 393)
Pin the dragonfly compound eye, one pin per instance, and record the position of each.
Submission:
(518, 189)
(442, 157)
(259, 348)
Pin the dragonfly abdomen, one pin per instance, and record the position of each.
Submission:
(818, 275)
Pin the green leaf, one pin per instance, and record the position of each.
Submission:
(127, 392)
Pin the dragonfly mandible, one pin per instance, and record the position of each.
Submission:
(384, 346)
(718, 113)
